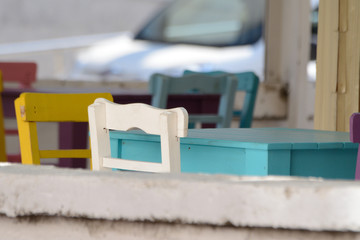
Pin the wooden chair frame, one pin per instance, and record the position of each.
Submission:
(170, 124)
(247, 82)
(47, 107)
(161, 86)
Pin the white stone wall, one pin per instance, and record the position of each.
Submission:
(42, 202)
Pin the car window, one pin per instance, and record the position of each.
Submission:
(207, 22)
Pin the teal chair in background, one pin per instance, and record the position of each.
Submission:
(161, 86)
(247, 82)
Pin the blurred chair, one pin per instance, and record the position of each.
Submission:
(247, 82)
(23, 73)
(355, 137)
(170, 124)
(46, 107)
(161, 86)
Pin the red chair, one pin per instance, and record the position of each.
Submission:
(23, 73)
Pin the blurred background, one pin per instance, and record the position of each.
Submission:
(125, 41)
(53, 32)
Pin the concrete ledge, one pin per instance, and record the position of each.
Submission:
(271, 202)
(60, 228)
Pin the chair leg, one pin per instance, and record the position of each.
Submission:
(28, 138)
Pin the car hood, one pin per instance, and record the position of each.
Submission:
(124, 58)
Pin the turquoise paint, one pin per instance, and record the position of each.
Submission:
(161, 86)
(141, 151)
(326, 163)
(115, 146)
(256, 162)
(279, 162)
(195, 158)
(260, 152)
(247, 82)
(213, 160)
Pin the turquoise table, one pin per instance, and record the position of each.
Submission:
(255, 151)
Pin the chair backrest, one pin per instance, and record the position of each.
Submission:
(355, 137)
(170, 124)
(247, 82)
(161, 86)
(23, 73)
(47, 107)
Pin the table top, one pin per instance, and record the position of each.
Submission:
(256, 138)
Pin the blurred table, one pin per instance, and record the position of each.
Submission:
(75, 135)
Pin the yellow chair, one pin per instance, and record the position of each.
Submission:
(47, 107)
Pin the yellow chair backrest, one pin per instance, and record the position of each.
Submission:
(47, 107)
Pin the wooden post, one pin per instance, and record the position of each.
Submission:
(338, 64)
(287, 55)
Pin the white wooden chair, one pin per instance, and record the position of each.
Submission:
(170, 124)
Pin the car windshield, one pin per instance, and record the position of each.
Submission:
(207, 22)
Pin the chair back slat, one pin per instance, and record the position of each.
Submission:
(127, 116)
(247, 82)
(43, 107)
(161, 86)
(190, 83)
